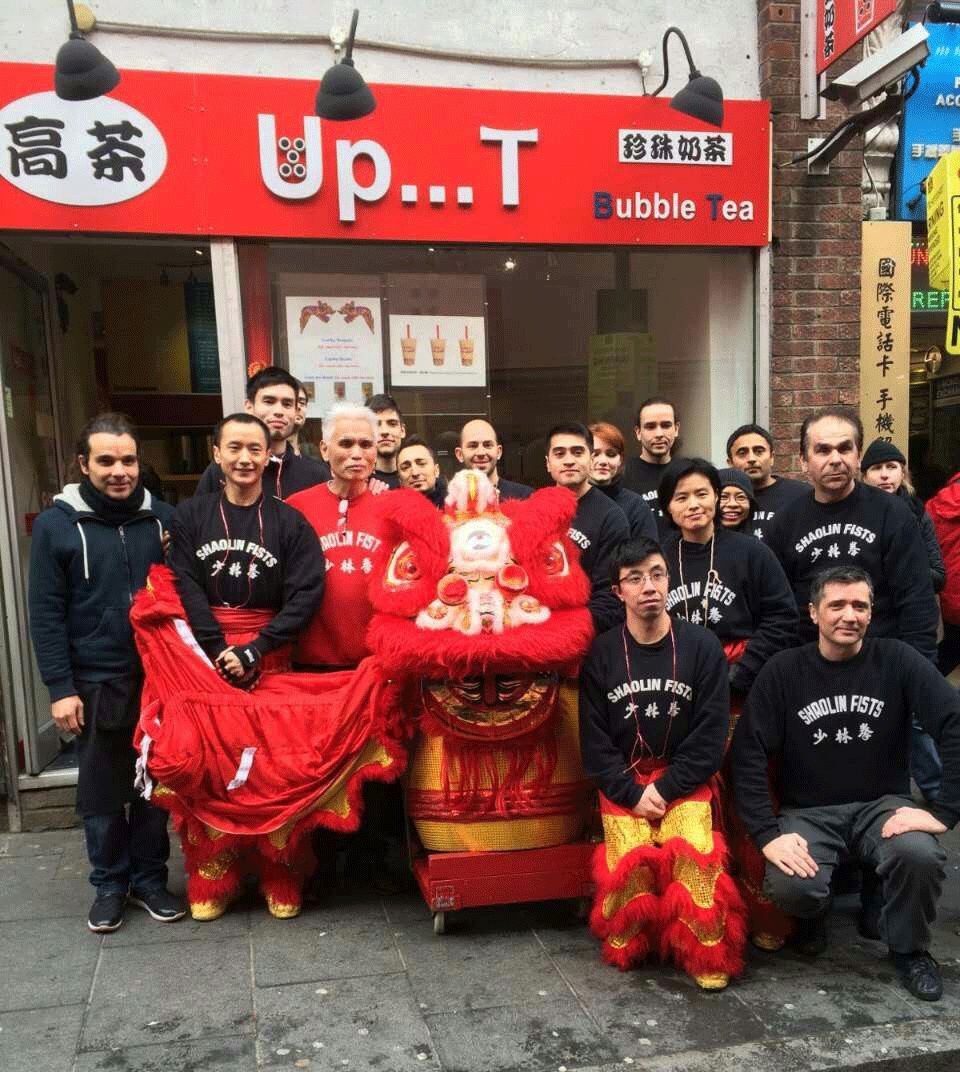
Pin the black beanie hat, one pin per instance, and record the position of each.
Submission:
(738, 478)
(881, 451)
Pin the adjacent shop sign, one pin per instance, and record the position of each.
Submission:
(885, 331)
(245, 157)
(931, 119)
(841, 24)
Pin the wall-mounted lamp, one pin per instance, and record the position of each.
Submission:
(701, 97)
(82, 72)
(343, 94)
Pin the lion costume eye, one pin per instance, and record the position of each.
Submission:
(555, 562)
(403, 568)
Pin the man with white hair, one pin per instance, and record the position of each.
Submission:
(341, 512)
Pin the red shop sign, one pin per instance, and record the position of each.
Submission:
(841, 24)
(221, 155)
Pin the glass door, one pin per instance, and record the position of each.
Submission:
(29, 478)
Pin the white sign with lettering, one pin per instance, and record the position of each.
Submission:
(97, 152)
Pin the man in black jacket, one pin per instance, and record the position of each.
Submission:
(272, 396)
(840, 521)
(598, 525)
(91, 552)
(837, 715)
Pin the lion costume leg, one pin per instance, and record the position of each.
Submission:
(702, 913)
(283, 874)
(214, 868)
(626, 870)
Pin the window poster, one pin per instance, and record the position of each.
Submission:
(335, 348)
(438, 351)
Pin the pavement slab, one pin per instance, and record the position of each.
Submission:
(343, 1024)
(40, 1040)
(657, 1010)
(22, 878)
(170, 992)
(46, 963)
(525, 1037)
(476, 970)
(207, 1055)
(318, 945)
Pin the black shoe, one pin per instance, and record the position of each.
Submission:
(810, 936)
(106, 914)
(920, 974)
(163, 906)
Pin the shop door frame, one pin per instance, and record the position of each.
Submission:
(19, 692)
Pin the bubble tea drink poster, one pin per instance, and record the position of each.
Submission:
(335, 345)
(437, 351)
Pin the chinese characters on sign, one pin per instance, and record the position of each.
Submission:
(841, 24)
(79, 153)
(885, 331)
(674, 147)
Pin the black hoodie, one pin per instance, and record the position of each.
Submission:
(676, 700)
(267, 557)
(640, 516)
(875, 531)
(597, 527)
(750, 598)
(841, 731)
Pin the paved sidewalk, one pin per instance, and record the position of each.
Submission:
(362, 982)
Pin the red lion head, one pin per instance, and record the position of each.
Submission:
(483, 588)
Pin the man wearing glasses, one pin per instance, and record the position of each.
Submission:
(654, 710)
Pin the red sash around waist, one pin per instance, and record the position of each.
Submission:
(734, 649)
(240, 625)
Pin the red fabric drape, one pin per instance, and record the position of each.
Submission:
(309, 731)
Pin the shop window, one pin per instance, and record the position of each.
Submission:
(522, 337)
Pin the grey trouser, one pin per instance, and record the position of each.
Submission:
(911, 867)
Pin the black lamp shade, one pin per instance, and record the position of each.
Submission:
(343, 94)
(83, 72)
(701, 98)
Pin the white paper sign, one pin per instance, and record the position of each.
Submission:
(335, 348)
(96, 152)
(438, 351)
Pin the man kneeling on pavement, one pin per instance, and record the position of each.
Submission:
(835, 717)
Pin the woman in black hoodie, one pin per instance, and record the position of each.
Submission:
(606, 473)
(732, 584)
(884, 467)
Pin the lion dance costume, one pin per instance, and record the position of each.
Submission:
(481, 611)
(247, 775)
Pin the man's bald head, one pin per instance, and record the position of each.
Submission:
(479, 448)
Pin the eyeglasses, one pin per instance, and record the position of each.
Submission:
(656, 575)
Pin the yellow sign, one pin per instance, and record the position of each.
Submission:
(885, 332)
(939, 228)
(953, 316)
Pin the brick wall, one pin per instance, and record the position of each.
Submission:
(815, 282)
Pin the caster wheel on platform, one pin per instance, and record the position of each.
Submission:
(439, 922)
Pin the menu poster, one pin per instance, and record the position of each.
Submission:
(335, 349)
(438, 351)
